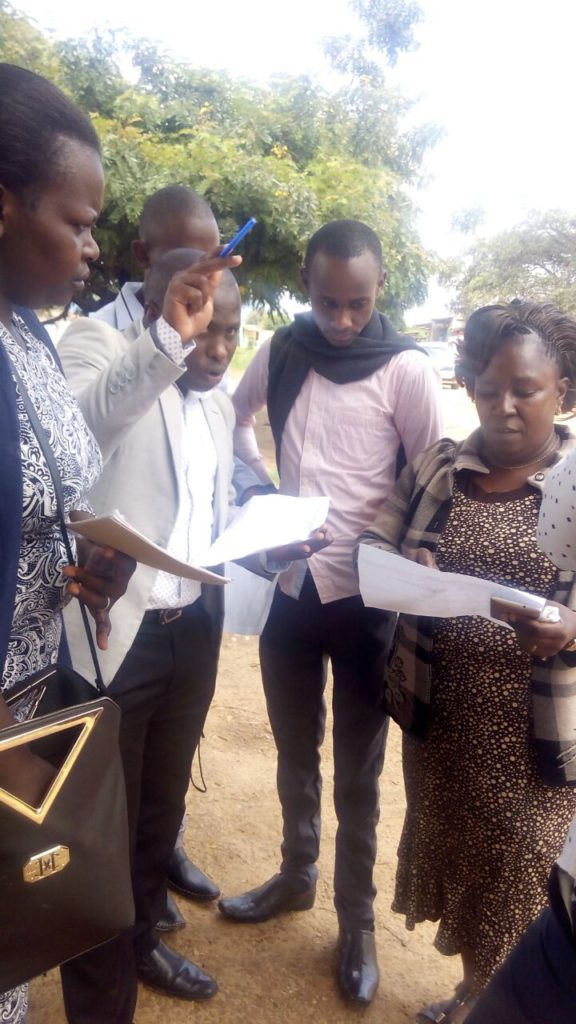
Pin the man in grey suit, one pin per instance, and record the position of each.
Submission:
(166, 439)
(165, 430)
(174, 217)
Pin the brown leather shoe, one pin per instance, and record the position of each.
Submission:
(276, 896)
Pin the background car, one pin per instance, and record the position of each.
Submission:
(442, 357)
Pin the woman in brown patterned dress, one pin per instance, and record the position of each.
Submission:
(486, 813)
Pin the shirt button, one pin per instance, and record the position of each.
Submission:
(539, 476)
(113, 388)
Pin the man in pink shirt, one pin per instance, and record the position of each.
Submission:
(346, 397)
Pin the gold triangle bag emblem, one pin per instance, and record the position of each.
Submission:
(38, 730)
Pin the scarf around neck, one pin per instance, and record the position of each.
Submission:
(301, 346)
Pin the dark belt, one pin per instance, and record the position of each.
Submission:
(164, 616)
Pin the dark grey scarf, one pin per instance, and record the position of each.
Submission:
(301, 346)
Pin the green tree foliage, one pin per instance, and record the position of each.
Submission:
(535, 260)
(91, 73)
(21, 42)
(468, 220)
(290, 153)
(387, 29)
(390, 24)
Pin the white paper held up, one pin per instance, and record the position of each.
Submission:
(389, 581)
(267, 521)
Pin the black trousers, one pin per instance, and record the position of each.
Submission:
(299, 636)
(164, 687)
(537, 983)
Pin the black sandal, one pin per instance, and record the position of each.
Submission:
(441, 1013)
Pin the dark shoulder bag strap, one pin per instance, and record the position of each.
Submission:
(56, 480)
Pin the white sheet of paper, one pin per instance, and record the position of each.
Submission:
(267, 521)
(116, 532)
(247, 601)
(389, 581)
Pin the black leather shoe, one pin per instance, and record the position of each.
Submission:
(358, 973)
(184, 877)
(170, 973)
(171, 920)
(276, 896)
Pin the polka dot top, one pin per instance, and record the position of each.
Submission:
(557, 522)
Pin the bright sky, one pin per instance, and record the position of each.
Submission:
(498, 75)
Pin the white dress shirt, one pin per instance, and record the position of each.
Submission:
(192, 531)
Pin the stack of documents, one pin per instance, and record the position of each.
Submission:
(266, 521)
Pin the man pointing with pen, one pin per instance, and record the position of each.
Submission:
(165, 429)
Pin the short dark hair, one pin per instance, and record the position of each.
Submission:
(171, 201)
(35, 116)
(160, 275)
(344, 239)
(490, 327)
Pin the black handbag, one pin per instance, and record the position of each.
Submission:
(65, 884)
(55, 688)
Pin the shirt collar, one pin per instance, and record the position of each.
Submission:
(193, 396)
(129, 306)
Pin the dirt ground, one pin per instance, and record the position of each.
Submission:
(280, 972)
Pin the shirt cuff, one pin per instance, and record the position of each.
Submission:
(169, 342)
(273, 565)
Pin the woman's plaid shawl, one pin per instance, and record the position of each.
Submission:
(414, 517)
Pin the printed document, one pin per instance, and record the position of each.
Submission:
(387, 580)
(266, 521)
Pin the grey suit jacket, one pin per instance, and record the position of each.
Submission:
(125, 387)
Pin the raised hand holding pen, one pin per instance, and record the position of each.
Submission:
(189, 301)
(244, 230)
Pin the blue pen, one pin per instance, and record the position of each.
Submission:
(238, 237)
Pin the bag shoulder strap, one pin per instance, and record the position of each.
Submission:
(56, 480)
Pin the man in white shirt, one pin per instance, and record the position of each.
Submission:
(146, 394)
(150, 396)
(174, 217)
